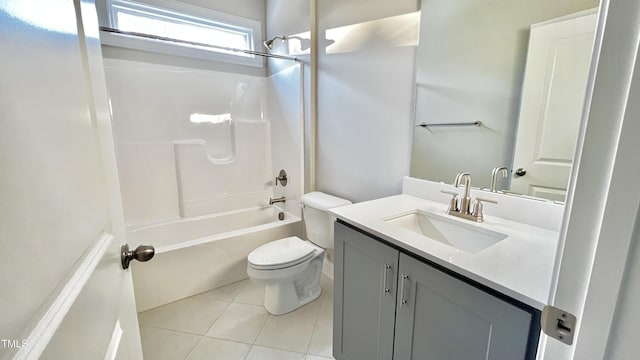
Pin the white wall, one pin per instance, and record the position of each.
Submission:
(364, 101)
(292, 18)
(285, 116)
(250, 9)
(471, 65)
(289, 18)
(171, 168)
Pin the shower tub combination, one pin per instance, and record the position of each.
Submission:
(199, 254)
(208, 174)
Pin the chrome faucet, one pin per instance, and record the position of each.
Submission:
(464, 210)
(494, 176)
(280, 199)
(465, 204)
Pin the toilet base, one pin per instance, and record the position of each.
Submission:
(281, 299)
(288, 289)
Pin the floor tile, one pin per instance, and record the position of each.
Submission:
(326, 310)
(239, 322)
(217, 349)
(226, 293)
(252, 293)
(161, 344)
(324, 303)
(315, 357)
(322, 337)
(192, 315)
(315, 306)
(265, 353)
(326, 283)
(290, 332)
(173, 331)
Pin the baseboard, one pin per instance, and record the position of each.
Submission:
(327, 268)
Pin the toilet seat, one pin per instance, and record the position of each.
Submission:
(281, 254)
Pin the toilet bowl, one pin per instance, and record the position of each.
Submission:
(291, 268)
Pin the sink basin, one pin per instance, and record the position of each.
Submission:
(466, 237)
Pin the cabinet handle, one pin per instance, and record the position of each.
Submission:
(405, 278)
(387, 290)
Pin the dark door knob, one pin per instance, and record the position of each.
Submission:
(520, 172)
(142, 253)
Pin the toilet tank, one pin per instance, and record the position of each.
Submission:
(317, 221)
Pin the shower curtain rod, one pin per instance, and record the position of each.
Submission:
(162, 38)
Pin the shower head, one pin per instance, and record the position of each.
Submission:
(269, 43)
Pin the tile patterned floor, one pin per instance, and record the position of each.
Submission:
(230, 323)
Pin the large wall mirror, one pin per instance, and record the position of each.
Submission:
(501, 83)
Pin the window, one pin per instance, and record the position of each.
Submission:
(183, 22)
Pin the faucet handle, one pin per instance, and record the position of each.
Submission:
(453, 204)
(477, 209)
(282, 178)
(486, 200)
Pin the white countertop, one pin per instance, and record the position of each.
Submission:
(519, 266)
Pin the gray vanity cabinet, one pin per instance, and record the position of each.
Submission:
(389, 305)
(441, 317)
(364, 296)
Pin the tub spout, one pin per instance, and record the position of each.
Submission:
(281, 199)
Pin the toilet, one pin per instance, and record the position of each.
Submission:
(291, 268)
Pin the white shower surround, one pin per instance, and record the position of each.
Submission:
(202, 189)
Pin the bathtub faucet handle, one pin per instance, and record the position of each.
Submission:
(282, 178)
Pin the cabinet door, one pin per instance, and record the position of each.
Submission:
(365, 274)
(441, 317)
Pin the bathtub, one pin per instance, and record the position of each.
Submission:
(200, 254)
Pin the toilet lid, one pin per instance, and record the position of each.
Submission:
(281, 253)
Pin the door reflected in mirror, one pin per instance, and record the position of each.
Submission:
(518, 67)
